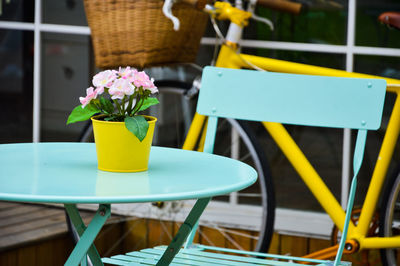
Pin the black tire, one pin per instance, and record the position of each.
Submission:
(389, 224)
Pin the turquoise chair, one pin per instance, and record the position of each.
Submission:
(288, 99)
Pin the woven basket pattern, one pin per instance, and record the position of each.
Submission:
(136, 33)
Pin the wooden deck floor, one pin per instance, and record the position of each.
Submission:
(37, 235)
(24, 224)
(32, 234)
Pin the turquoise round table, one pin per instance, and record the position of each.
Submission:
(67, 173)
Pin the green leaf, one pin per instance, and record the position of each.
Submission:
(106, 105)
(148, 102)
(82, 114)
(137, 125)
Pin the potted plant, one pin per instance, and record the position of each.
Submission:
(122, 136)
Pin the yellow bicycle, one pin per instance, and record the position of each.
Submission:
(241, 143)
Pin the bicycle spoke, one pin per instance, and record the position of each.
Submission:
(207, 239)
(166, 230)
(249, 195)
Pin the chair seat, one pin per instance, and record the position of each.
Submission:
(197, 257)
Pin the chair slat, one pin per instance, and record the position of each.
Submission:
(155, 256)
(243, 259)
(116, 262)
(200, 258)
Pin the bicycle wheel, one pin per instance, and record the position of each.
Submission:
(390, 218)
(234, 139)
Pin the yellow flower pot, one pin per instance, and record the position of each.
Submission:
(118, 150)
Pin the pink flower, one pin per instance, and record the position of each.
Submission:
(142, 80)
(90, 94)
(104, 79)
(127, 73)
(99, 90)
(120, 88)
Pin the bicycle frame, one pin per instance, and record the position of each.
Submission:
(229, 58)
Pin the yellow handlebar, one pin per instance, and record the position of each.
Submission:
(225, 11)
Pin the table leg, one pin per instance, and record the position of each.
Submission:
(87, 234)
(84, 261)
(183, 232)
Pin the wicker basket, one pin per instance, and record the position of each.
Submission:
(136, 33)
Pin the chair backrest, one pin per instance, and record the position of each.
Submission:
(294, 99)
(291, 98)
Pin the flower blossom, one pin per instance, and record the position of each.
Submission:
(104, 79)
(142, 80)
(127, 73)
(90, 94)
(120, 88)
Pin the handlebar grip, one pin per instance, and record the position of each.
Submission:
(391, 19)
(198, 4)
(281, 5)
